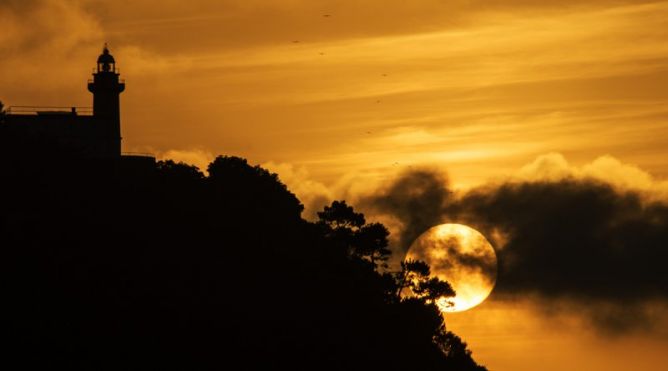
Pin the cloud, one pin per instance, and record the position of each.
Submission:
(39, 39)
(587, 235)
(555, 167)
(262, 22)
(313, 195)
(197, 157)
(449, 255)
(417, 198)
(479, 84)
(574, 238)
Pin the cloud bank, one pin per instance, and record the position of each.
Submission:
(595, 236)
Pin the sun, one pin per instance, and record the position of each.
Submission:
(462, 256)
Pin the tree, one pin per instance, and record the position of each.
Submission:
(456, 351)
(371, 243)
(349, 230)
(340, 215)
(432, 289)
(3, 113)
(415, 275)
(202, 272)
(411, 270)
(179, 172)
(174, 178)
(244, 186)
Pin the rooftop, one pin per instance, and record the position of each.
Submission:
(33, 110)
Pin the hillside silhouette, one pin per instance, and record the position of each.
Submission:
(167, 268)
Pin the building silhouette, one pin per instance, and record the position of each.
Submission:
(81, 132)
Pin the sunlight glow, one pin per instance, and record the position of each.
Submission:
(462, 256)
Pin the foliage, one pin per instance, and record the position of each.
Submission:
(240, 186)
(179, 172)
(432, 288)
(173, 269)
(349, 231)
(371, 242)
(341, 216)
(415, 276)
(456, 351)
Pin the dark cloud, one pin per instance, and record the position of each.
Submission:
(417, 198)
(483, 265)
(456, 259)
(577, 240)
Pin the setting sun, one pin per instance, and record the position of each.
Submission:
(461, 256)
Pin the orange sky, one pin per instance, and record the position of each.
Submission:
(337, 96)
(517, 335)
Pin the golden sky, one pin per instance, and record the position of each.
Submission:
(339, 95)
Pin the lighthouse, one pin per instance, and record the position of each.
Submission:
(72, 132)
(106, 87)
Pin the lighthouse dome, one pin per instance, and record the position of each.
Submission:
(105, 57)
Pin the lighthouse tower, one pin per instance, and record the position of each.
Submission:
(106, 88)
